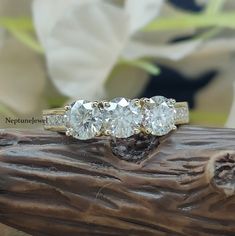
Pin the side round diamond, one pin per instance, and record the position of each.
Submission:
(84, 120)
(122, 117)
(159, 116)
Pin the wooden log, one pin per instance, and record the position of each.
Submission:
(182, 184)
(8, 231)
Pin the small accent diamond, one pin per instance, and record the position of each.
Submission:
(182, 113)
(55, 120)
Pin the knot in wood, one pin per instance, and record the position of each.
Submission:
(135, 148)
(222, 172)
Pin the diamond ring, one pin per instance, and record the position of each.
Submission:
(120, 117)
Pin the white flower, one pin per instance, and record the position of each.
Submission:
(215, 55)
(84, 40)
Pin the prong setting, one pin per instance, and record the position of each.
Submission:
(148, 131)
(146, 100)
(107, 132)
(106, 104)
(69, 132)
(67, 107)
(98, 134)
(137, 102)
(95, 104)
(137, 130)
(171, 102)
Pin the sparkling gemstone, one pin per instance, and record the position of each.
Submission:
(159, 116)
(84, 120)
(122, 117)
(182, 113)
(55, 120)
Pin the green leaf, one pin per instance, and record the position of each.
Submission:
(209, 34)
(27, 39)
(191, 21)
(56, 101)
(22, 23)
(208, 118)
(214, 6)
(22, 29)
(5, 111)
(143, 64)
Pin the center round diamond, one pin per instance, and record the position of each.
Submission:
(159, 116)
(122, 117)
(84, 120)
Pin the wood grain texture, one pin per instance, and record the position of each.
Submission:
(51, 185)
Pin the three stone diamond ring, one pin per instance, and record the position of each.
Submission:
(120, 117)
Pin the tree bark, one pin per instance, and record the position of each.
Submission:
(182, 184)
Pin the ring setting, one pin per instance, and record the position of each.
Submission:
(120, 117)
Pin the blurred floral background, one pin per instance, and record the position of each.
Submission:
(54, 52)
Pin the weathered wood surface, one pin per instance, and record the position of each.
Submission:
(56, 186)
